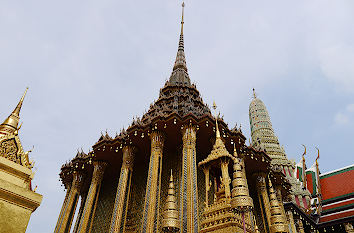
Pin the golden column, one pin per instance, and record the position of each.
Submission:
(189, 189)
(263, 195)
(170, 221)
(92, 196)
(277, 219)
(123, 190)
(69, 206)
(206, 171)
(152, 196)
(82, 205)
(291, 220)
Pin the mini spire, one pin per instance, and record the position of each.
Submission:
(170, 221)
(277, 219)
(241, 200)
(11, 123)
(254, 94)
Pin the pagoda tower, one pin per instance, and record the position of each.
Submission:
(264, 139)
(17, 198)
(123, 180)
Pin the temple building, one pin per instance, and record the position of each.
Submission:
(17, 198)
(181, 168)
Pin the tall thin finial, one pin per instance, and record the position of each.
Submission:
(254, 93)
(11, 123)
(182, 22)
(19, 105)
(216, 121)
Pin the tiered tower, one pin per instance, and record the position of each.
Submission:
(17, 199)
(277, 219)
(264, 139)
(170, 221)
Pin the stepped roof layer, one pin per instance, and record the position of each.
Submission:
(337, 194)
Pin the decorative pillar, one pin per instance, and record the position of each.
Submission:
(207, 185)
(277, 219)
(189, 189)
(152, 196)
(69, 206)
(82, 205)
(291, 221)
(263, 195)
(92, 196)
(348, 227)
(123, 191)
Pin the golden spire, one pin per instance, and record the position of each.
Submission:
(180, 58)
(170, 221)
(182, 22)
(219, 150)
(277, 220)
(241, 199)
(11, 123)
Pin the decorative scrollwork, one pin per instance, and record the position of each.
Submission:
(9, 149)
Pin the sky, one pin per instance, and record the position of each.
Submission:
(92, 66)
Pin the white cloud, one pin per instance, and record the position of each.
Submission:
(341, 119)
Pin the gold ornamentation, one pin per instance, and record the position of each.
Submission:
(123, 189)
(241, 199)
(348, 227)
(152, 196)
(277, 219)
(90, 203)
(9, 126)
(65, 218)
(189, 190)
(170, 221)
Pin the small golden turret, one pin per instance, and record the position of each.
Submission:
(256, 230)
(170, 221)
(277, 220)
(241, 199)
(11, 123)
